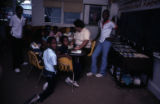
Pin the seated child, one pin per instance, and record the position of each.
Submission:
(63, 52)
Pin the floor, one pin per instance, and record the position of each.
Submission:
(17, 88)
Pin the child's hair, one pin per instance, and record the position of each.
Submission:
(62, 38)
(49, 40)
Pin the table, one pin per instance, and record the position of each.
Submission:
(77, 64)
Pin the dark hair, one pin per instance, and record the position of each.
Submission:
(106, 11)
(62, 38)
(79, 23)
(18, 8)
(49, 40)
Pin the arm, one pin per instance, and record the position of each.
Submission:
(82, 45)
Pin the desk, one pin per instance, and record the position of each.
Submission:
(77, 64)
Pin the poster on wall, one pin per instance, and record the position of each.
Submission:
(94, 14)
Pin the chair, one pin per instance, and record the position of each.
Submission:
(65, 64)
(34, 62)
(92, 48)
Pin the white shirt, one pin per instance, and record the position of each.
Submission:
(81, 36)
(106, 30)
(50, 59)
(17, 26)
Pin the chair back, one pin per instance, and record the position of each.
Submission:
(33, 60)
(65, 64)
(92, 48)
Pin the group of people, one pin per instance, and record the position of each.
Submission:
(81, 41)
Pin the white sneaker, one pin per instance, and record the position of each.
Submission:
(68, 81)
(17, 70)
(99, 75)
(89, 74)
(45, 86)
(35, 99)
(75, 84)
(25, 63)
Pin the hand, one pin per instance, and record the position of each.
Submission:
(77, 48)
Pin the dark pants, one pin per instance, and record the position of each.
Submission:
(51, 79)
(17, 50)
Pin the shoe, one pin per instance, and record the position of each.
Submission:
(45, 86)
(17, 70)
(99, 75)
(68, 81)
(25, 63)
(75, 84)
(89, 74)
(33, 100)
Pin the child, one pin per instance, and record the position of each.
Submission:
(44, 40)
(50, 61)
(63, 52)
(64, 48)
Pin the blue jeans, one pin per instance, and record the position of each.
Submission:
(104, 48)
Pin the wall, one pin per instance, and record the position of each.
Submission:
(97, 2)
(38, 10)
(154, 84)
(37, 13)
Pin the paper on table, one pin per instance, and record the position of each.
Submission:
(76, 51)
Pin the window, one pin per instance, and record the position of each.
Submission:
(27, 10)
(53, 15)
(94, 14)
(62, 11)
(69, 17)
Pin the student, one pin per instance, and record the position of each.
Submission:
(50, 62)
(64, 48)
(103, 46)
(44, 38)
(17, 22)
(55, 33)
(64, 53)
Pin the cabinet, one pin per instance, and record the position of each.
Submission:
(129, 67)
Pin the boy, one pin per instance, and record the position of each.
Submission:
(50, 61)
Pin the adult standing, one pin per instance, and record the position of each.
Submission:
(103, 46)
(82, 42)
(82, 36)
(17, 22)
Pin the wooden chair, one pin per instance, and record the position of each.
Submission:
(34, 62)
(92, 48)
